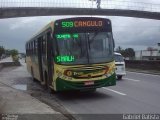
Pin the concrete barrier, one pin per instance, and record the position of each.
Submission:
(9, 64)
(143, 64)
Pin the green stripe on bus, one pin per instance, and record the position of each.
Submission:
(62, 85)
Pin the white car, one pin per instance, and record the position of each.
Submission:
(120, 65)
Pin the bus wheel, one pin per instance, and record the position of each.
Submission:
(46, 86)
(92, 90)
(88, 90)
(119, 77)
(32, 74)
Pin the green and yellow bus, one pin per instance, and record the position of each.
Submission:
(73, 54)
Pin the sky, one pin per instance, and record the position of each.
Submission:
(128, 32)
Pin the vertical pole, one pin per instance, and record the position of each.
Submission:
(141, 55)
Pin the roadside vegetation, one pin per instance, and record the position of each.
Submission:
(9, 52)
(127, 53)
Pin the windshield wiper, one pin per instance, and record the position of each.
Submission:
(88, 46)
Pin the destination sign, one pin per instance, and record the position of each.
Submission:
(65, 58)
(66, 36)
(82, 24)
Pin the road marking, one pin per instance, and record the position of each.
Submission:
(120, 93)
(144, 73)
(131, 79)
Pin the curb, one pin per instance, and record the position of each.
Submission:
(9, 64)
(141, 71)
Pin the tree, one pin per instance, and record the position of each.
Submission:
(124, 54)
(2, 50)
(130, 53)
(14, 54)
(119, 49)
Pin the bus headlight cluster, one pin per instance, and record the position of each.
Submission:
(68, 73)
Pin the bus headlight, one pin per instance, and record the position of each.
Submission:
(106, 70)
(68, 73)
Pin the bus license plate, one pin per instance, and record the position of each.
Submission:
(89, 83)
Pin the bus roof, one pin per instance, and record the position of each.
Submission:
(42, 30)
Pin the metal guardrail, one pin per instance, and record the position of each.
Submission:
(105, 4)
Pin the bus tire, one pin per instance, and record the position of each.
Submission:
(32, 74)
(45, 81)
(89, 90)
(92, 90)
(46, 86)
(119, 77)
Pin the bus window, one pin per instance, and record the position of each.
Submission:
(44, 46)
(87, 48)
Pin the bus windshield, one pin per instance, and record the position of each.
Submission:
(84, 48)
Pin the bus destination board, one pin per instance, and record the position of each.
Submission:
(82, 24)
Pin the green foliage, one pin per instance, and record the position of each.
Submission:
(13, 52)
(128, 52)
(119, 49)
(15, 58)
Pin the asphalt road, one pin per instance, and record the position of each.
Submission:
(135, 93)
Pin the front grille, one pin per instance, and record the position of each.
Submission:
(79, 77)
(88, 72)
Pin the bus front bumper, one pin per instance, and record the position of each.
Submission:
(63, 85)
